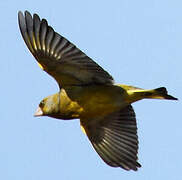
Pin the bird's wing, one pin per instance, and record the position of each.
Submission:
(59, 57)
(115, 138)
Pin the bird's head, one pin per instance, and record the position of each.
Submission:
(49, 106)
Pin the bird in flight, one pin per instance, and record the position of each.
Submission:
(87, 92)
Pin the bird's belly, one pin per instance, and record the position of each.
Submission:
(102, 104)
(97, 100)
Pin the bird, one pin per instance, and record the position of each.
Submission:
(87, 92)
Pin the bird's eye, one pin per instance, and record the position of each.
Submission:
(41, 104)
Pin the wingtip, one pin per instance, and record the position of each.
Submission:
(27, 13)
(19, 13)
(133, 167)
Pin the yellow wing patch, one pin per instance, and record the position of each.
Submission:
(40, 66)
(83, 129)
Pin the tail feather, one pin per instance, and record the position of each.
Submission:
(135, 93)
(160, 93)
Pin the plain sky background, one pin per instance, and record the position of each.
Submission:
(138, 42)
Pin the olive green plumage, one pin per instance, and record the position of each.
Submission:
(87, 92)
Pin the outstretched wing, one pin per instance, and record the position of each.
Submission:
(115, 138)
(59, 57)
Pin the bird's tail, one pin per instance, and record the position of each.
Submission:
(159, 93)
(135, 94)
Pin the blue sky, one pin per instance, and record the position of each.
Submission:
(138, 42)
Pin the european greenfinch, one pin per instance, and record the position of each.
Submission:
(87, 92)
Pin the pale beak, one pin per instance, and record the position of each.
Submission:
(38, 112)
